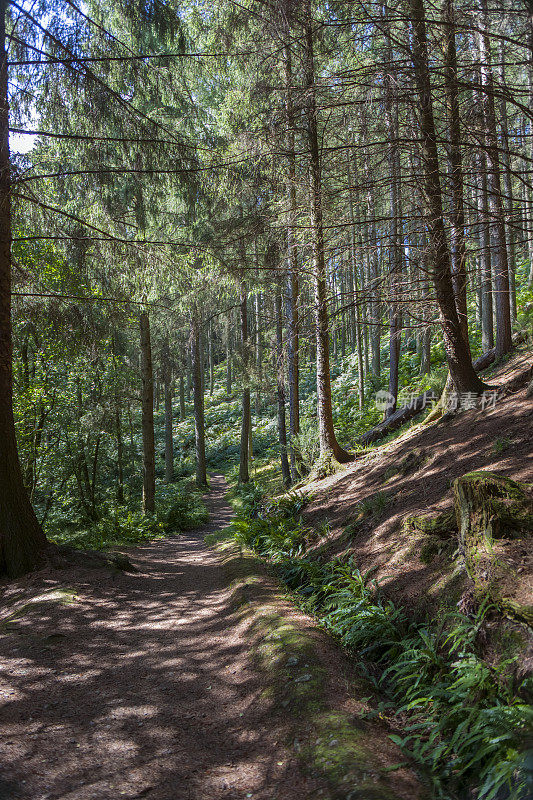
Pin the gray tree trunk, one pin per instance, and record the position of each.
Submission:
(508, 186)
(211, 358)
(169, 439)
(487, 327)
(244, 469)
(292, 272)
(282, 425)
(118, 428)
(457, 214)
(460, 365)
(497, 215)
(228, 355)
(395, 252)
(182, 398)
(354, 294)
(198, 397)
(22, 541)
(328, 440)
(147, 398)
(375, 305)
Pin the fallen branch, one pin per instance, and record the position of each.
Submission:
(420, 403)
(397, 419)
(489, 357)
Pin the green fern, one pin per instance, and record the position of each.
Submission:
(467, 723)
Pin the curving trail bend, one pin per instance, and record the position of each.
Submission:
(142, 686)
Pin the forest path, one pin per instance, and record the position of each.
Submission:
(141, 685)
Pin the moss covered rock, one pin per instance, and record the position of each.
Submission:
(495, 521)
(443, 525)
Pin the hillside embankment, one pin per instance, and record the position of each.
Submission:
(393, 508)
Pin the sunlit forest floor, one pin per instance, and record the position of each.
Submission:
(191, 679)
(197, 678)
(194, 677)
(364, 508)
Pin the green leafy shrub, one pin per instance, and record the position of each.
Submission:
(178, 508)
(306, 444)
(187, 511)
(375, 505)
(500, 444)
(121, 527)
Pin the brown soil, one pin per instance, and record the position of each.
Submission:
(498, 439)
(146, 685)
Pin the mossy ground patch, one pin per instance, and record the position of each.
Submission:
(333, 740)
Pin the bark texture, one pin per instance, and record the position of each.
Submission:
(22, 541)
(148, 498)
(491, 508)
(457, 214)
(328, 440)
(169, 439)
(497, 213)
(198, 398)
(395, 250)
(282, 424)
(244, 461)
(459, 361)
(293, 328)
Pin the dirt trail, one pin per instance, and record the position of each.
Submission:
(142, 686)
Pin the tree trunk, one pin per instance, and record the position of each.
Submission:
(328, 440)
(148, 499)
(425, 358)
(497, 215)
(169, 439)
(201, 355)
(399, 418)
(182, 398)
(354, 293)
(292, 277)
(457, 214)
(120, 457)
(188, 385)
(258, 350)
(359, 348)
(211, 359)
(22, 541)
(132, 439)
(395, 252)
(487, 327)
(118, 428)
(244, 472)
(282, 425)
(228, 355)
(83, 467)
(375, 305)
(198, 398)
(508, 185)
(459, 361)
(94, 475)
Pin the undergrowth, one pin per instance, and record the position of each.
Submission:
(464, 721)
(178, 508)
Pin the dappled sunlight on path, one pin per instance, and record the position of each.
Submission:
(141, 686)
